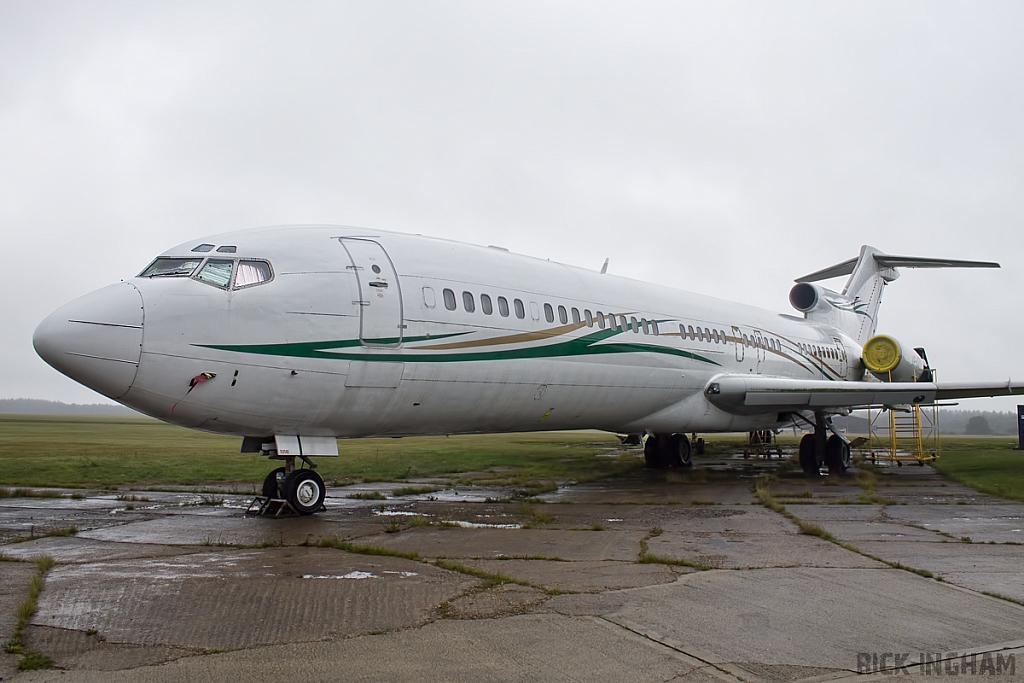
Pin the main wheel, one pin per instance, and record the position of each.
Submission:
(808, 454)
(680, 453)
(652, 452)
(837, 455)
(272, 484)
(304, 490)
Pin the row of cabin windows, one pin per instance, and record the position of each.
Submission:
(611, 321)
(769, 343)
(822, 351)
(563, 314)
(705, 334)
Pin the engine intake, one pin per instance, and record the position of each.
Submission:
(885, 358)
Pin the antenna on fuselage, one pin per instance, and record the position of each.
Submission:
(604, 268)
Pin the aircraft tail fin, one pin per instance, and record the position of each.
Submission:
(855, 310)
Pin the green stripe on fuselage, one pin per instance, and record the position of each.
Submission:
(582, 346)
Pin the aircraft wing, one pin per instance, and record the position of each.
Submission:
(751, 394)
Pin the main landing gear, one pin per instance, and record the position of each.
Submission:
(302, 490)
(662, 451)
(821, 448)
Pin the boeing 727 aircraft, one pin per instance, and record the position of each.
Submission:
(291, 337)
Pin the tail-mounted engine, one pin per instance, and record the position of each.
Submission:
(806, 297)
(887, 360)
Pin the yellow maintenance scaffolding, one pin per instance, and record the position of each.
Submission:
(903, 434)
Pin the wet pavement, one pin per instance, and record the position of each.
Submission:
(653, 576)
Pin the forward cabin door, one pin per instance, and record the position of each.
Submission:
(380, 299)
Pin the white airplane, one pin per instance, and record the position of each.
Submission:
(292, 337)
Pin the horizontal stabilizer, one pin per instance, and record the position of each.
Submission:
(918, 262)
(750, 395)
(890, 261)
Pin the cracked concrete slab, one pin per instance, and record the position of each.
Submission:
(813, 617)
(492, 543)
(582, 576)
(756, 551)
(518, 649)
(243, 598)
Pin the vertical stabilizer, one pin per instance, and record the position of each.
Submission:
(855, 310)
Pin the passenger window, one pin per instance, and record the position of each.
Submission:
(503, 306)
(707, 335)
(428, 294)
(485, 304)
(449, 299)
(467, 302)
(690, 332)
(575, 316)
(249, 273)
(634, 325)
(746, 340)
(171, 267)
(600, 319)
(588, 317)
(654, 328)
(563, 317)
(623, 324)
(714, 336)
(549, 313)
(534, 310)
(682, 331)
(643, 324)
(216, 272)
(520, 311)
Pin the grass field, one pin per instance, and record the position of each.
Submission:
(990, 464)
(109, 451)
(114, 451)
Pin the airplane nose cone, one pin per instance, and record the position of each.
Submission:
(96, 340)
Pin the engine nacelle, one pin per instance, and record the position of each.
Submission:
(888, 360)
(806, 297)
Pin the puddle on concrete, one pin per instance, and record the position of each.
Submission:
(351, 575)
(391, 512)
(357, 574)
(481, 525)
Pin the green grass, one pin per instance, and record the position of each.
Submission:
(988, 464)
(367, 495)
(30, 659)
(111, 451)
(414, 490)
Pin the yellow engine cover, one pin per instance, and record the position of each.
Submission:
(882, 353)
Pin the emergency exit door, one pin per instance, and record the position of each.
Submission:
(380, 298)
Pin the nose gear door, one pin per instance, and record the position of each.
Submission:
(380, 298)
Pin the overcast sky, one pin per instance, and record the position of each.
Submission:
(724, 148)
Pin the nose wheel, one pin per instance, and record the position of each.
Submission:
(302, 490)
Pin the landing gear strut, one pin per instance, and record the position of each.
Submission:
(662, 451)
(820, 448)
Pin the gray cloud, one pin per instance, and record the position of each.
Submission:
(724, 148)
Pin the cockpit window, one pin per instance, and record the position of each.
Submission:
(171, 267)
(251, 273)
(216, 272)
(227, 249)
(202, 248)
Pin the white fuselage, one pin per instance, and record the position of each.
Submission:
(327, 346)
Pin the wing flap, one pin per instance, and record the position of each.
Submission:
(750, 394)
